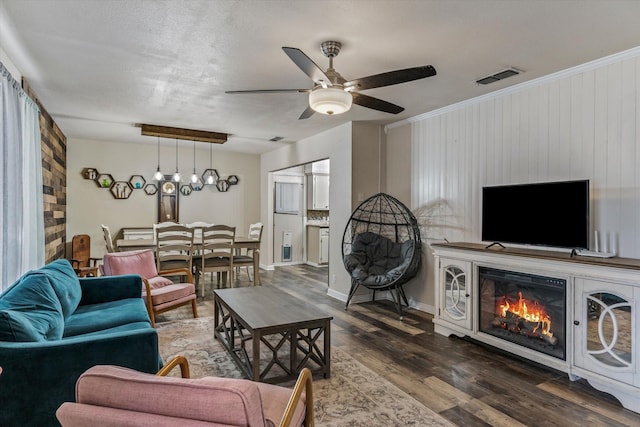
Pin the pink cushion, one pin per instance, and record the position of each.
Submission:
(80, 415)
(171, 293)
(225, 401)
(132, 262)
(275, 399)
(159, 282)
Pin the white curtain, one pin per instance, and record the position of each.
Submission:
(21, 213)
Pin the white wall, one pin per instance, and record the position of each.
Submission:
(582, 123)
(334, 144)
(89, 206)
(8, 64)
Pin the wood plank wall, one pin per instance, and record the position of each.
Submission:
(582, 123)
(54, 181)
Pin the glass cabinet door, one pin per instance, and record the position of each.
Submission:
(456, 286)
(605, 328)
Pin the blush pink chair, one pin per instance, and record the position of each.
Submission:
(160, 293)
(109, 396)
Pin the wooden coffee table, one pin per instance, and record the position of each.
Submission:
(291, 333)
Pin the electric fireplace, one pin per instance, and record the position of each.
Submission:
(525, 309)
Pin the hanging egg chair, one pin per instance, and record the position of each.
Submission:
(381, 247)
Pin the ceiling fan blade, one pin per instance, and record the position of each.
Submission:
(307, 65)
(391, 78)
(269, 91)
(375, 103)
(306, 113)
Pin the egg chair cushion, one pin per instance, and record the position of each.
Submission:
(376, 261)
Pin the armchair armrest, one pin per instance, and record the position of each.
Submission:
(110, 288)
(178, 272)
(176, 361)
(303, 383)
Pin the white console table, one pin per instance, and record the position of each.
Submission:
(602, 306)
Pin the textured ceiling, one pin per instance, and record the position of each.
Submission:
(100, 67)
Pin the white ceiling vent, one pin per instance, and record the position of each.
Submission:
(509, 72)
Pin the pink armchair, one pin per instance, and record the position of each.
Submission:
(160, 293)
(110, 396)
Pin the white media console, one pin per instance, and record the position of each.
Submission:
(600, 326)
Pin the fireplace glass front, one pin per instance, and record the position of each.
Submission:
(525, 309)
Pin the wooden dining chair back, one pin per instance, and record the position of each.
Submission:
(174, 247)
(197, 228)
(255, 231)
(246, 260)
(216, 253)
(83, 264)
(108, 240)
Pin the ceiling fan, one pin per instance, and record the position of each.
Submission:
(333, 94)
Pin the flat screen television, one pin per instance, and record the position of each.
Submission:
(553, 214)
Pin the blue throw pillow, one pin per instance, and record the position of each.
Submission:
(65, 283)
(30, 310)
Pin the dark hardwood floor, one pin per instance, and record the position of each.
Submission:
(467, 383)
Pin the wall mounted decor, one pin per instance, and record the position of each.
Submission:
(104, 180)
(222, 185)
(121, 189)
(197, 185)
(89, 173)
(210, 176)
(137, 182)
(150, 189)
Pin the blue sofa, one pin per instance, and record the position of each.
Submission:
(54, 326)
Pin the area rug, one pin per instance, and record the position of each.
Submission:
(354, 396)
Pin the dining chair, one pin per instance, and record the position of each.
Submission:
(108, 240)
(174, 247)
(158, 291)
(246, 259)
(216, 254)
(81, 260)
(197, 228)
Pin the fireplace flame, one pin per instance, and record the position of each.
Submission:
(529, 310)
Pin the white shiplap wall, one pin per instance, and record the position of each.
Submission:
(582, 123)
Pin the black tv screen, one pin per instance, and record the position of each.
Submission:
(554, 214)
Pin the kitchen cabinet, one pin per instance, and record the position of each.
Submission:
(318, 192)
(317, 245)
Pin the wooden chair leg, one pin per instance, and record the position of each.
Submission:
(152, 316)
(194, 308)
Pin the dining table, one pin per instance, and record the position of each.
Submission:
(239, 242)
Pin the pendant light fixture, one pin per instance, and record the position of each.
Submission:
(158, 175)
(194, 176)
(210, 174)
(176, 176)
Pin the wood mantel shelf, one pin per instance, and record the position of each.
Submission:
(615, 262)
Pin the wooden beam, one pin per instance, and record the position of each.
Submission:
(186, 134)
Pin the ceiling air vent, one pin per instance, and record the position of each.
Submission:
(509, 72)
(276, 138)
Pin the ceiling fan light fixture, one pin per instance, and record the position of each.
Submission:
(331, 100)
